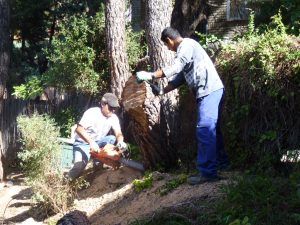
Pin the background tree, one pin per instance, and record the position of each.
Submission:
(116, 45)
(190, 16)
(4, 62)
(4, 45)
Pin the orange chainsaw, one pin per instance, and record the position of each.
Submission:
(112, 156)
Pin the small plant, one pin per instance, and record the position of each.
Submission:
(245, 221)
(42, 163)
(145, 182)
(172, 184)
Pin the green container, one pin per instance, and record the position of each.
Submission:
(67, 156)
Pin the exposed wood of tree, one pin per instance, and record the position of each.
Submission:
(154, 116)
(188, 15)
(4, 63)
(116, 40)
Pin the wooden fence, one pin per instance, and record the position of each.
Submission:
(11, 108)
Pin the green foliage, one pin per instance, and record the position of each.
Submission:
(260, 72)
(290, 13)
(172, 184)
(241, 222)
(258, 200)
(41, 162)
(163, 220)
(72, 57)
(30, 90)
(205, 39)
(33, 23)
(66, 118)
(145, 182)
(134, 152)
(134, 47)
(40, 145)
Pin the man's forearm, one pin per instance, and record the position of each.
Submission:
(83, 134)
(169, 88)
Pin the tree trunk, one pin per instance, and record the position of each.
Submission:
(116, 40)
(189, 16)
(154, 117)
(4, 45)
(4, 65)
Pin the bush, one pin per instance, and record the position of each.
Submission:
(261, 200)
(42, 163)
(261, 76)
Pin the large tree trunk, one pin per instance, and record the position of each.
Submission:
(4, 45)
(4, 65)
(116, 40)
(154, 117)
(189, 16)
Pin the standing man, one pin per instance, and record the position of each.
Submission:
(193, 66)
(92, 132)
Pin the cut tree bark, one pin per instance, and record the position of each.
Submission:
(144, 111)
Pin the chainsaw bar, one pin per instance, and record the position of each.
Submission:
(132, 164)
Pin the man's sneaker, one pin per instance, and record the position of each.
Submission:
(200, 179)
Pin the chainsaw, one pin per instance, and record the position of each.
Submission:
(112, 156)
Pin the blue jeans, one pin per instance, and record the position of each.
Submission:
(81, 150)
(81, 154)
(211, 153)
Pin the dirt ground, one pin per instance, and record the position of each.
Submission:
(109, 200)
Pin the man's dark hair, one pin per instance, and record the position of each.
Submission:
(169, 32)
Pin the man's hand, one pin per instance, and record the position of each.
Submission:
(122, 145)
(94, 146)
(144, 76)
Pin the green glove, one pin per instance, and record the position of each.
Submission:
(143, 76)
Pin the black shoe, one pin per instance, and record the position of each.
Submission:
(200, 179)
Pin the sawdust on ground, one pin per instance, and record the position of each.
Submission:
(109, 200)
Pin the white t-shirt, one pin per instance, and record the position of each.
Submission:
(97, 125)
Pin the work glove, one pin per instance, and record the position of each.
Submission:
(94, 146)
(124, 148)
(122, 145)
(143, 76)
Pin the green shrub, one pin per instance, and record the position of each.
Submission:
(261, 75)
(42, 163)
(255, 199)
(66, 118)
